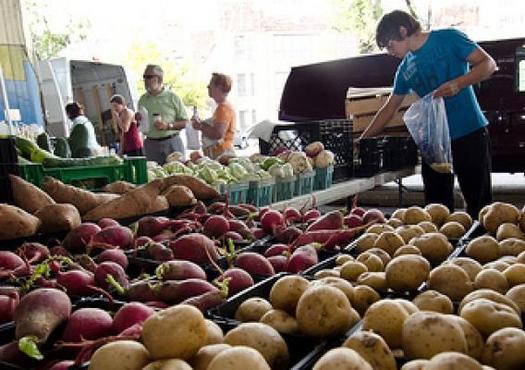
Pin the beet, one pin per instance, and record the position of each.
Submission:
(141, 241)
(194, 247)
(373, 215)
(179, 270)
(310, 215)
(288, 235)
(159, 252)
(110, 268)
(151, 225)
(279, 263)
(302, 258)
(357, 211)
(141, 291)
(276, 250)
(59, 250)
(234, 236)
(33, 252)
(205, 301)
(254, 264)
(258, 233)
(76, 282)
(330, 221)
(292, 215)
(130, 314)
(113, 255)
(177, 291)
(271, 219)
(78, 238)
(353, 220)
(113, 236)
(238, 280)
(240, 227)
(87, 323)
(62, 365)
(7, 307)
(10, 261)
(215, 226)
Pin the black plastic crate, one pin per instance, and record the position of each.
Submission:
(399, 152)
(335, 134)
(370, 157)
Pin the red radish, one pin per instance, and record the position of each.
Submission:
(262, 211)
(373, 215)
(106, 269)
(237, 211)
(113, 255)
(199, 208)
(278, 262)
(302, 258)
(113, 236)
(238, 280)
(205, 301)
(159, 252)
(276, 250)
(287, 235)
(318, 236)
(11, 354)
(194, 247)
(130, 314)
(249, 207)
(341, 238)
(353, 220)
(10, 261)
(258, 233)
(179, 270)
(59, 250)
(76, 282)
(254, 264)
(38, 314)
(271, 219)
(157, 304)
(141, 291)
(8, 305)
(216, 225)
(87, 323)
(107, 222)
(172, 291)
(216, 207)
(141, 241)
(357, 211)
(62, 365)
(292, 214)
(151, 225)
(232, 235)
(312, 214)
(33, 252)
(330, 221)
(239, 227)
(77, 239)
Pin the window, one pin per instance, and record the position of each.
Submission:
(254, 116)
(241, 84)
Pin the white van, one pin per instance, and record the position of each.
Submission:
(90, 83)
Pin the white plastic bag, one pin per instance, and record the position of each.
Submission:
(144, 121)
(427, 122)
(192, 137)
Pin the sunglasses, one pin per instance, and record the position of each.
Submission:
(148, 77)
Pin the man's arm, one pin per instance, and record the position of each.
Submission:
(483, 66)
(383, 116)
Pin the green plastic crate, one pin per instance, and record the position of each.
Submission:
(284, 189)
(304, 183)
(237, 193)
(260, 193)
(323, 178)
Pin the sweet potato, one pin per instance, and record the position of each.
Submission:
(134, 203)
(179, 196)
(28, 196)
(58, 217)
(83, 200)
(16, 223)
(159, 204)
(119, 187)
(199, 188)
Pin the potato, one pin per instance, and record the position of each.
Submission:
(491, 295)
(407, 249)
(426, 334)
(452, 361)
(281, 321)
(515, 274)
(508, 230)
(521, 220)
(379, 228)
(215, 334)
(381, 253)
(517, 295)
(365, 242)
(394, 222)
(483, 249)
(264, 339)
(473, 337)
(342, 258)
(120, 355)
(415, 365)
(505, 349)
(488, 316)
(206, 354)
(438, 213)
(386, 318)
(375, 280)
(407, 305)
(286, 291)
(351, 270)
(342, 358)
(496, 265)
(238, 358)
(491, 279)
(450, 280)
(407, 273)
(327, 273)
(470, 265)
(407, 232)
(324, 311)
(432, 300)
(162, 331)
(170, 364)
(364, 296)
(414, 215)
(398, 214)
(499, 213)
(452, 230)
(428, 226)
(339, 283)
(372, 262)
(373, 349)
(435, 247)
(389, 241)
(521, 257)
(58, 217)
(252, 309)
(510, 260)
(462, 217)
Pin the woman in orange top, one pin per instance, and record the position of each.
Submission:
(219, 130)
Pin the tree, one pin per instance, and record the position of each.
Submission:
(46, 42)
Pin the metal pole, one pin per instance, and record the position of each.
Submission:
(6, 102)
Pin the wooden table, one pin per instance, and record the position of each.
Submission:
(344, 190)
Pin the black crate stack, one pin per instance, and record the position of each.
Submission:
(399, 152)
(370, 158)
(8, 165)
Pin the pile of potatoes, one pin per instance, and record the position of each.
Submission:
(503, 220)
(179, 338)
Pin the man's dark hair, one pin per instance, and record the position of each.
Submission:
(388, 27)
(73, 110)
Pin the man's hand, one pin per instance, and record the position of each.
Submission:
(196, 123)
(161, 125)
(449, 88)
